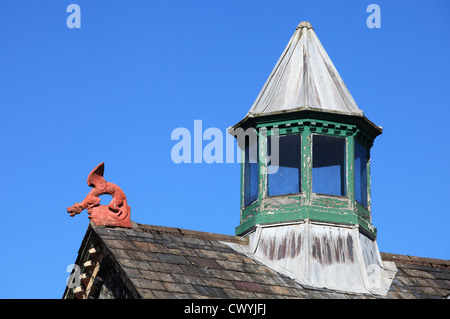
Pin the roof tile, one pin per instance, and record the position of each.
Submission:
(185, 251)
(203, 262)
(153, 247)
(169, 268)
(133, 273)
(194, 270)
(163, 294)
(405, 280)
(231, 265)
(121, 253)
(186, 279)
(279, 290)
(147, 294)
(120, 243)
(260, 295)
(236, 275)
(210, 253)
(139, 255)
(240, 294)
(133, 263)
(148, 284)
(248, 286)
(417, 273)
(211, 291)
(426, 296)
(172, 259)
(155, 275)
(179, 287)
(236, 257)
(197, 241)
(217, 282)
(441, 274)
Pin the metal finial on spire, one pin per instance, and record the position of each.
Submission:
(305, 24)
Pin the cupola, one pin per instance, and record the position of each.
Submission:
(305, 174)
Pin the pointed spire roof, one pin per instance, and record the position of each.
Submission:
(304, 78)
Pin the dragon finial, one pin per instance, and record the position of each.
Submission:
(116, 213)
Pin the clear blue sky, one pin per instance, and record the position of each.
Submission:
(116, 88)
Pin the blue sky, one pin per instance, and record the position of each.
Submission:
(115, 89)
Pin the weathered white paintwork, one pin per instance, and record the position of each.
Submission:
(304, 78)
(321, 255)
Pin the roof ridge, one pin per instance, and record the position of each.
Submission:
(435, 262)
(189, 233)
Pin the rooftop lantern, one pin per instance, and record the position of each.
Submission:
(305, 176)
(307, 116)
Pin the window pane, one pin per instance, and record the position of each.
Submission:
(286, 178)
(250, 173)
(361, 174)
(328, 171)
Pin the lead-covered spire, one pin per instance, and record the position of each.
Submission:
(304, 78)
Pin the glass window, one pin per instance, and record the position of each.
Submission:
(361, 174)
(250, 173)
(328, 172)
(285, 177)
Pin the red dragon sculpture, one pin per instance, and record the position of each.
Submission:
(116, 213)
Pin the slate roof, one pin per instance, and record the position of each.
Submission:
(162, 262)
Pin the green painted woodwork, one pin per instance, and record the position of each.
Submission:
(306, 204)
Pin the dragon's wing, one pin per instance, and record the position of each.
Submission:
(95, 178)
